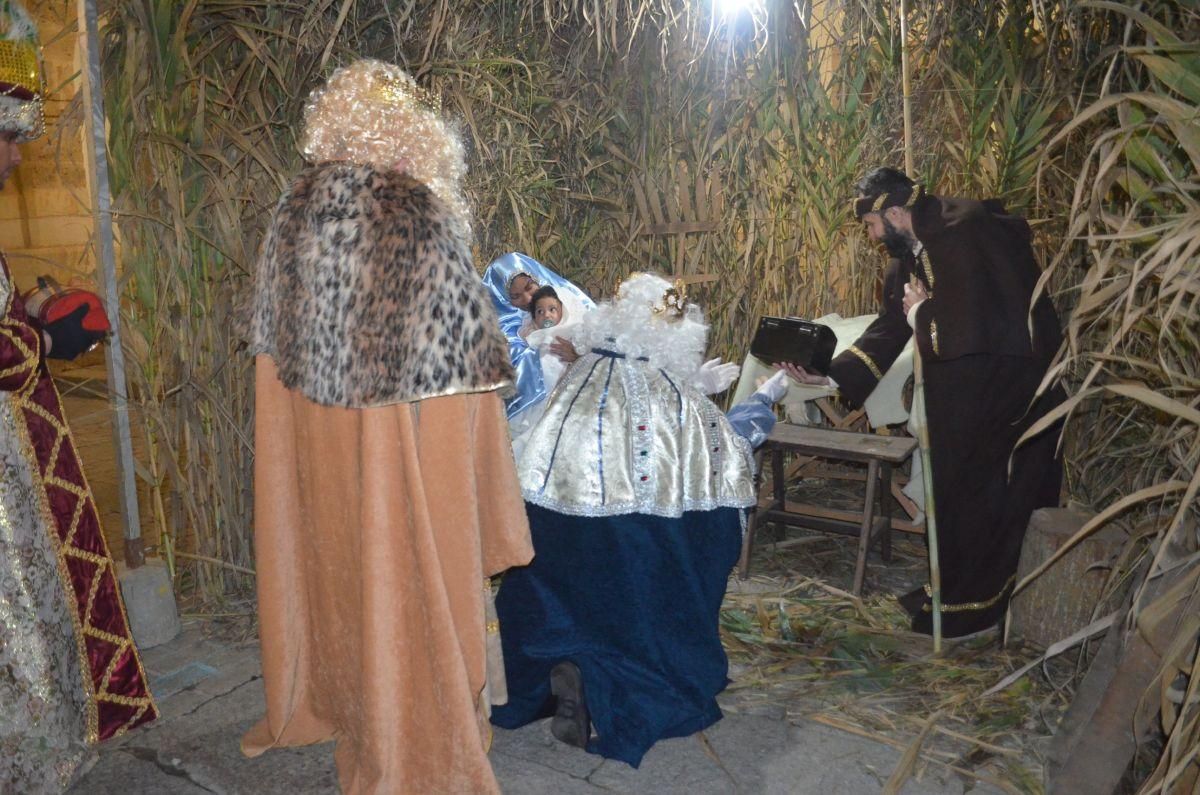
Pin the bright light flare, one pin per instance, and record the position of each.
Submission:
(732, 8)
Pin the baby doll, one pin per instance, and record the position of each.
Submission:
(552, 315)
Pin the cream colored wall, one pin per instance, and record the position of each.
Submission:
(45, 221)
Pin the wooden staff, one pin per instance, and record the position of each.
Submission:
(935, 571)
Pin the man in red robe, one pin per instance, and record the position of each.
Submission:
(69, 672)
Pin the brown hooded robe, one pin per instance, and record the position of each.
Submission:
(982, 368)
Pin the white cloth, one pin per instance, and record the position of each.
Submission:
(884, 405)
(911, 315)
(541, 339)
(552, 367)
(625, 431)
(775, 387)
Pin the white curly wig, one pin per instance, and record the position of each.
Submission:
(640, 322)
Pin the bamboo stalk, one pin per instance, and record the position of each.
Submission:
(935, 569)
(907, 87)
(215, 561)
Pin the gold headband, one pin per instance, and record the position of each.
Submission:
(897, 198)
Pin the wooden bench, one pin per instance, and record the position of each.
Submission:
(879, 453)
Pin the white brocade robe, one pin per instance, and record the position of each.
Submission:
(620, 436)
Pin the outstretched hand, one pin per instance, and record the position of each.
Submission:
(715, 376)
(801, 375)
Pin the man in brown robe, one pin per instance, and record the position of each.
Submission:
(385, 487)
(961, 277)
(70, 674)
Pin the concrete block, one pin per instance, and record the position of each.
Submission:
(1062, 599)
(149, 603)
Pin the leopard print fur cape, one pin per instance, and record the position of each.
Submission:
(365, 294)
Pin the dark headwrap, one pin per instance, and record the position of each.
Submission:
(901, 197)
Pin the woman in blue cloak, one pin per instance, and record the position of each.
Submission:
(508, 280)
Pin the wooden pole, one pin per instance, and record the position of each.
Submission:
(907, 83)
(935, 570)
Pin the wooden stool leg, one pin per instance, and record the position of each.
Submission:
(864, 534)
(743, 564)
(747, 546)
(779, 489)
(885, 509)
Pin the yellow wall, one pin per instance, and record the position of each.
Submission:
(45, 220)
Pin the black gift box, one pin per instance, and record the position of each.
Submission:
(790, 339)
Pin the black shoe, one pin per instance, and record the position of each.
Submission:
(570, 723)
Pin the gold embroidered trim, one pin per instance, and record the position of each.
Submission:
(125, 701)
(926, 268)
(24, 349)
(31, 356)
(868, 204)
(868, 361)
(104, 635)
(966, 606)
(23, 402)
(113, 662)
(933, 338)
(25, 365)
(75, 517)
(97, 574)
(64, 575)
(90, 557)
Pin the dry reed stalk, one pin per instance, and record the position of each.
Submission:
(583, 118)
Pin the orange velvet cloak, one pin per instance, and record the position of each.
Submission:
(374, 531)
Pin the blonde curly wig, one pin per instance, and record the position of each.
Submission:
(373, 113)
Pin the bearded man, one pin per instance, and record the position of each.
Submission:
(960, 277)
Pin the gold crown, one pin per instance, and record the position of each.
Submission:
(20, 71)
(674, 301)
(401, 90)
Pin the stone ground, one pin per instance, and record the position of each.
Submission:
(209, 692)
